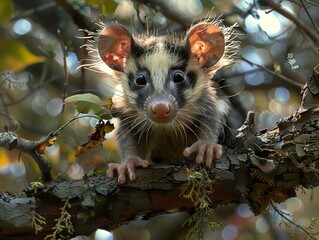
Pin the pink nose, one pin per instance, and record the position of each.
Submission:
(161, 110)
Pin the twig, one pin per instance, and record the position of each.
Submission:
(309, 16)
(303, 167)
(297, 84)
(65, 68)
(76, 117)
(294, 19)
(79, 19)
(312, 3)
(34, 10)
(11, 141)
(290, 221)
(138, 14)
(168, 12)
(3, 113)
(5, 106)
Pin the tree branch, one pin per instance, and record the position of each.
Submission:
(10, 141)
(262, 168)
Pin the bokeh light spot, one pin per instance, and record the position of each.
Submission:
(247, 99)
(54, 106)
(72, 62)
(22, 27)
(255, 78)
(244, 211)
(261, 225)
(160, 19)
(103, 235)
(251, 24)
(278, 49)
(269, 23)
(75, 171)
(17, 169)
(294, 204)
(282, 94)
(39, 103)
(229, 232)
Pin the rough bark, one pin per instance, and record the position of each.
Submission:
(262, 167)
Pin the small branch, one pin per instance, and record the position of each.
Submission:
(297, 84)
(6, 115)
(10, 141)
(168, 12)
(309, 16)
(303, 167)
(79, 19)
(294, 19)
(312, 3)
(76, 117)
(65, 68)
(283, 215)
(32, 11)
(5, 111)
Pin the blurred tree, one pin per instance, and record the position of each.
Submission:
(41, 58)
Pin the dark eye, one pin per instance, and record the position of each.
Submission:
(140, 79)
(178, 76)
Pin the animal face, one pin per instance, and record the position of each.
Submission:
(160, 75)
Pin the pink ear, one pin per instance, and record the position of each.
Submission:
(206, 44)
(114, 46)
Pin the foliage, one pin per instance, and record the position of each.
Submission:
(95, 139)
(15, 56)
(37, 221)
(64, 226)
(86, 102)
(36, 186)
(197, 189)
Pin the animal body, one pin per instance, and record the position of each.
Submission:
(169, 106)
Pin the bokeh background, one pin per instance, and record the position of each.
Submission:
(40, 48)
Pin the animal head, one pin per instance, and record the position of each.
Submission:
(163, 74)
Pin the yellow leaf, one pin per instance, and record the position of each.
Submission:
(108, 103)
(15, 56)
(105, 6)
(6, 10)
(95, 139)
(71, 159)
(4, 159)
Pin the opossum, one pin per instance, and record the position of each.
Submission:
(169, 106)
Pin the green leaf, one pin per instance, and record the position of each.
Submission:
(6, 10)
(87, 102)
(15, 56)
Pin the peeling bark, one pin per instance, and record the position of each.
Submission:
(261, 168)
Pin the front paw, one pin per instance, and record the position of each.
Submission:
(127, 166)
(205, 152)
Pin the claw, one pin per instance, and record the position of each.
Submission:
(127, 166)
(205, 152)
